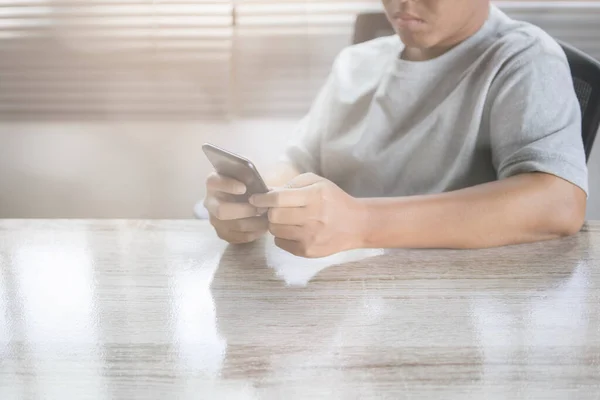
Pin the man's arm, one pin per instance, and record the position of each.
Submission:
(313, 217)
(525, 208)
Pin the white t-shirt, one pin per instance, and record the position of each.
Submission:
(499, 104)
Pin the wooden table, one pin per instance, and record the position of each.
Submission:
(164, 310)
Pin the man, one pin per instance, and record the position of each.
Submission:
(462, 131)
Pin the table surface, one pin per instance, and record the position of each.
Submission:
(164, 310)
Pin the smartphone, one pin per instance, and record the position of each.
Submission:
(237, 167)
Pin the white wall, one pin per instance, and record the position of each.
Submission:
(119, 170)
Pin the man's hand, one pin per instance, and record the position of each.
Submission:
(235, 223)
(312, 217)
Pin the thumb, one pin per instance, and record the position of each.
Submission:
(303, 180)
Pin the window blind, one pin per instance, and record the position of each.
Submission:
(574, 22)
(115, 57)
(283, 51)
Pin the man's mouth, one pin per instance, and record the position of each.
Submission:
(407, 20)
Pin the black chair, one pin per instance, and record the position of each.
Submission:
(584, 69)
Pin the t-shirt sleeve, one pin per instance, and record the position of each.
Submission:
(535, 120)
(304, 149)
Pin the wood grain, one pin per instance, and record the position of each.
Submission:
(164, 310)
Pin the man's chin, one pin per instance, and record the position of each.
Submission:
(414, 40)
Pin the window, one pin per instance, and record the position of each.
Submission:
(283, 50)
(115, 57)
(198, 58)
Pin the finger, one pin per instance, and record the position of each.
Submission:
(304, 180)
(220, 183)
(287, 232)
(282, 198)
(227, 211)
(298, 249)
(246, 225)
(290, 246)
(255, 224)
(288, 216)
(234, 237)
(232, 198)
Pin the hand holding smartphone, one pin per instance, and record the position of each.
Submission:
(234, 166)
(234, 219)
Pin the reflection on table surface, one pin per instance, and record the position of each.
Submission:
(140, 309)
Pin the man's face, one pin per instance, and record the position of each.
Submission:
(430, 23)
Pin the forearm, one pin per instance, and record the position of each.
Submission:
(525, 208)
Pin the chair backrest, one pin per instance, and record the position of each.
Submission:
(584, 69)
(369, 26)
(586, 77)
